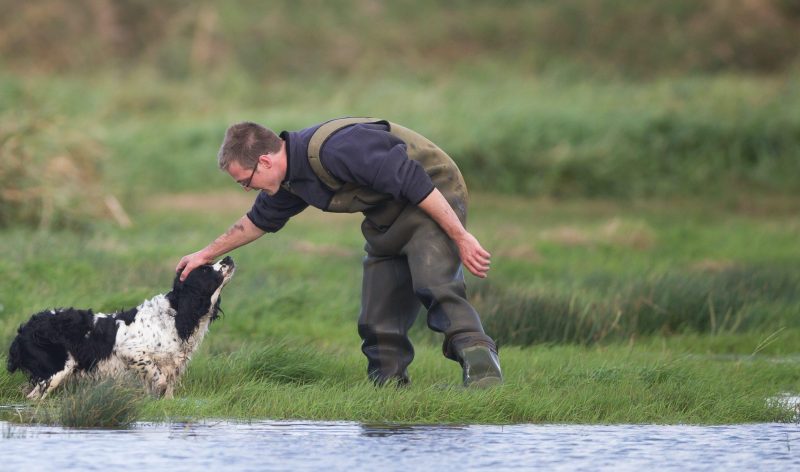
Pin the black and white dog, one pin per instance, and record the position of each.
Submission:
(154, 340)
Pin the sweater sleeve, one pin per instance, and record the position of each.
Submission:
(368, 155)
(270, 213)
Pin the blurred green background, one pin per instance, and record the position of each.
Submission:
(572, 98)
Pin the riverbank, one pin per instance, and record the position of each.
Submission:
(287, 347)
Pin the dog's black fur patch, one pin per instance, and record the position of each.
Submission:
(127, 316)
(41, 346)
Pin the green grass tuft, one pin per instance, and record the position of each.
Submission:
(281, 363)
(108, 403)
(81, 403)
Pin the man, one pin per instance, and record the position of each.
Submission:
(414, 201)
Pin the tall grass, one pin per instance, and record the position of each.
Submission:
(729, 301)
(50, 173)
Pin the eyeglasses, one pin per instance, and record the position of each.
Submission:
(246, 183)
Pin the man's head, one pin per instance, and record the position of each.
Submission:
(245, 142)
(254, 156)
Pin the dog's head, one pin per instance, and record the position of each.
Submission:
(199, 294)
(206, 280)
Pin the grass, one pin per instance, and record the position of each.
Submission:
(287, 346)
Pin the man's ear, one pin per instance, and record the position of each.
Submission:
(265, 159)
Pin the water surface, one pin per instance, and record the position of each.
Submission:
(333, 446)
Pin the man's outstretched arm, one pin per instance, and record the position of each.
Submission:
(241, 233)
(475, 258)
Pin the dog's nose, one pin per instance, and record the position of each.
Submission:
(227, 261)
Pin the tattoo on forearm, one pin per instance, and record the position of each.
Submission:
(236, 227)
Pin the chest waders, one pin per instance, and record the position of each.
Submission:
(410, 262)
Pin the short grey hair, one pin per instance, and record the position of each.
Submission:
(245, 142)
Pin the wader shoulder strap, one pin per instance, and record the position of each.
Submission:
(318, 140)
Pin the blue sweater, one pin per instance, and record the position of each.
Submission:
(364, 154)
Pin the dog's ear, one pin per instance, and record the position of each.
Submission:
(187, 303)
(189, 308)
(217, 309)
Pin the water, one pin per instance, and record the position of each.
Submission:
(332, 446)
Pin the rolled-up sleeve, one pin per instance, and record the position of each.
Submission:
(367, 154)
(270, 213)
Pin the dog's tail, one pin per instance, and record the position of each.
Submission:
(14, 357)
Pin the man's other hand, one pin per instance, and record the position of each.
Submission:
(474, 257)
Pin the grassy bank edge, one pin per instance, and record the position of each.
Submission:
(562, 384)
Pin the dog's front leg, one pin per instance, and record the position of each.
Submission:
(38, 390)
(155, 379)
(47, 386)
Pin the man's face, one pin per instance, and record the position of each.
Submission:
(260, 177)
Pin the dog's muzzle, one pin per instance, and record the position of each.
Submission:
(226, 266)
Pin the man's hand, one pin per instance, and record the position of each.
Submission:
(192, 262)
(241, 233)
(474, 257)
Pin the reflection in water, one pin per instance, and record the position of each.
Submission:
(382, 430)
(331, 446)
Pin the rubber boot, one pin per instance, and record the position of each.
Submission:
(481, 367)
